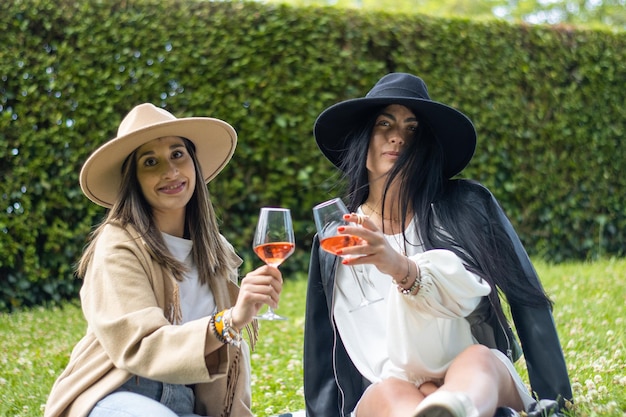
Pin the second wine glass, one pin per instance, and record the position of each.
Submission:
(328, 217)
(273, 243)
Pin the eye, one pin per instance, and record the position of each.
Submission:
(413, 127)
(177, 154)
(150, 162)
(382, 122)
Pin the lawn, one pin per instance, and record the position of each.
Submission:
(589, 313)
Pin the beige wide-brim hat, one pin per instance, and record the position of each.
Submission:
(101, 175)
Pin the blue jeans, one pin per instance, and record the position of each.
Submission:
(140, 397)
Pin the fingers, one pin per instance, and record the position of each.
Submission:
(258, 288)
(374, 248)
(359, 219)
(366, 230)
(263, 281)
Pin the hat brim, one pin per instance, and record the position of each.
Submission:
(454, 130)
(214, 139)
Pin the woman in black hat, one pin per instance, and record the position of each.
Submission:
(438, 251)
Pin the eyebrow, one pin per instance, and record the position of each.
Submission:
(172, 147)
(391, 116)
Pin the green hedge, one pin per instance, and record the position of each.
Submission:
(547, 104)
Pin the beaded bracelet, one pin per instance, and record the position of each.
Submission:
(417, 285)
(222, 326)
(217, 326)
(230, 333)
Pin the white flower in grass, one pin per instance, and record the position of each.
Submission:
(600, 364)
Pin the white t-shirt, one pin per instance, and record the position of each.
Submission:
(196, 300)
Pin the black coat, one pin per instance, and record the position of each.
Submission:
(332, 384)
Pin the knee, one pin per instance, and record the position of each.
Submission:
(477, 351)
(385, 396)
(479, 356)
(390, 387)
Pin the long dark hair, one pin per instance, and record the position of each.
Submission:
(210, 251)
(450, 214)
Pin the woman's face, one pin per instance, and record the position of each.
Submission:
(166, 174)
(394, 129)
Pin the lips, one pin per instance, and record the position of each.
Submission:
(392, 153)
(172, 188)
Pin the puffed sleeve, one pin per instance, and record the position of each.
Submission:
(448, 290)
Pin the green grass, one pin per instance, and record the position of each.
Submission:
(589, 313)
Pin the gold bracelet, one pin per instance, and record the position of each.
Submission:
(406, 278)
(415, 287)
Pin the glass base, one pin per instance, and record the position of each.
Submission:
(364, 303)
(270, 315)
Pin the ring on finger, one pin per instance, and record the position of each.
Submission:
(360, 219)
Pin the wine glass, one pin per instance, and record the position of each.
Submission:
(328, 217)
(273, 243)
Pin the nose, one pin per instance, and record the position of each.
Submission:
(170, 170)
(395, 136)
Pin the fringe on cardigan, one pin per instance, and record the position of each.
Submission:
(175, 314)
(252, 330)
(231, 383)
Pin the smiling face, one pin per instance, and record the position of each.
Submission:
(166, 174)
(394, 129)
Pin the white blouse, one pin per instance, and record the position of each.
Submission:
(414, 338)
(196, 300)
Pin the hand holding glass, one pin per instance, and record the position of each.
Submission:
(328, 217)
(273, 243)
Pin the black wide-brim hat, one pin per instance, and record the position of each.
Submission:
(454, 130)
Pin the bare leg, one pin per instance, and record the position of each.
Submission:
(389, 398)
(478, 373)
(428, 388)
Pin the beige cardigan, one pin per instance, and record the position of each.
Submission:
(130, 303)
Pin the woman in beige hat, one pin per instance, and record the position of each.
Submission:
(438, 251)
(160, 293)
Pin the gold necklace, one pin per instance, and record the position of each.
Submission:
(400, 246)
(373, 210)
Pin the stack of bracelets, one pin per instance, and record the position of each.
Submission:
(222, 325)
(415, 287)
